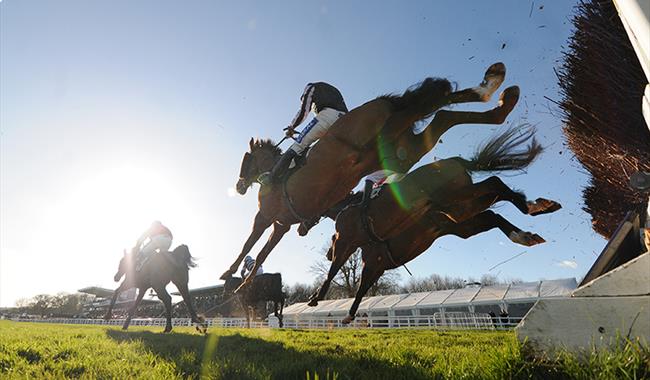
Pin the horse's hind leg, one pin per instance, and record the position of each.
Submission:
(167, 301)
(445, 119)
(259, 226)
(488, 220)
(187, 298)
(134, 307)
(492, 79)
(480, 196)
(372, 269)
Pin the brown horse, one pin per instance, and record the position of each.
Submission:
(350, 150)
(156, 273)
(447, 203)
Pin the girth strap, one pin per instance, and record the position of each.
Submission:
(367, 226)
(287, 200)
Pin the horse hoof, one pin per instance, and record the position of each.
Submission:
(313, 302)
(496, 69)
(509, 98)
(542, 206)
(167, 330)
(493, 78)
(227, 274)
(347, 320)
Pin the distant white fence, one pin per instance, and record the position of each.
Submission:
(446, 321)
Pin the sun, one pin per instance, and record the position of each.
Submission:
(112, 207)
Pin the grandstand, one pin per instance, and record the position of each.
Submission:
(509, 302)
(96, 307)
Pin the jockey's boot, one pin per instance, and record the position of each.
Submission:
(279, 169)
(367, 192)
(140, 261)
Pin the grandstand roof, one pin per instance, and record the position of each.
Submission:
(97, 291)
(204, 291)
(515, 293)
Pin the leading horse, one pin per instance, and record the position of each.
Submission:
(161, 269)
(350, 150)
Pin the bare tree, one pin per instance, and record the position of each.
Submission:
(298, 293)
(435, 282)
(347, 280)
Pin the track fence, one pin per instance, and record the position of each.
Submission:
(440, 321)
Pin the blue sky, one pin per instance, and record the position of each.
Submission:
(116, 113)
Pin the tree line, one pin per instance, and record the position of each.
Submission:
(59, 305)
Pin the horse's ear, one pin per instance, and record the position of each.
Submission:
(251, 143)
(124, 251)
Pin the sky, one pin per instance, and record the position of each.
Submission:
(117, 113)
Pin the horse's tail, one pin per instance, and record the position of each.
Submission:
(500, 152)
(182, 254)
(422, 99)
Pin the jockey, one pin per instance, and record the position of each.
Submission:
(249, 263)
(327, 104)
(160, 239)
(376, 180)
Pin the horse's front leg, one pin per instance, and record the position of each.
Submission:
(278, 232)
(132, 310)
(116, 293)
(259, 226)
(373, 268)
(341, 252)
(167, 301)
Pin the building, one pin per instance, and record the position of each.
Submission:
(508, 301)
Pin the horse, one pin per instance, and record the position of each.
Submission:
(161, 269)
(265, 287)
(342, 157)
(435, 200)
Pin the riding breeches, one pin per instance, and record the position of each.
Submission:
(158, 242)
(316, 129)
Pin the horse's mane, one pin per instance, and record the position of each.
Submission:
(266, 144)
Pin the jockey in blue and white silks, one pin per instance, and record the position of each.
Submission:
(327, 104)
(249, 263)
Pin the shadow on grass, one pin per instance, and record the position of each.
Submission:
(245, 357)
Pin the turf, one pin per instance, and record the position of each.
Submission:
(34, 350)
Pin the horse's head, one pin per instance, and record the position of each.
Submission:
(126, 264)
(263, 154)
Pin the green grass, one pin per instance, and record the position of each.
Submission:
(34, 350)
